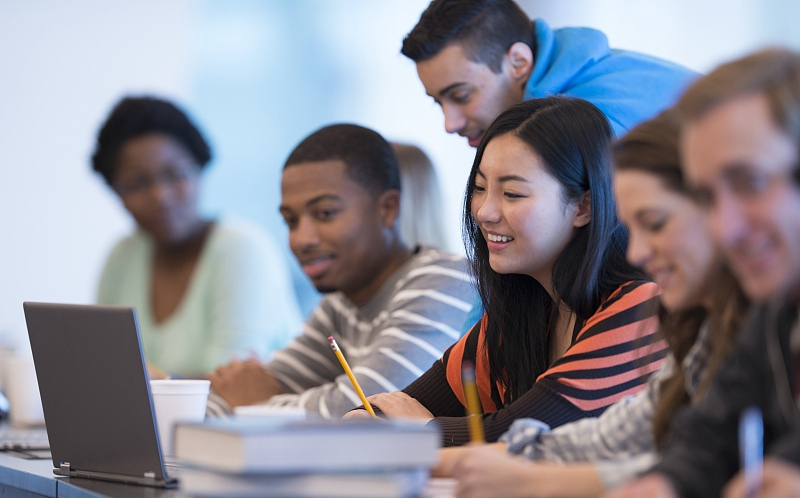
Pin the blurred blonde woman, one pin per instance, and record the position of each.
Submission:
(420, 219)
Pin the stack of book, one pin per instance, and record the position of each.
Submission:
(267, 457)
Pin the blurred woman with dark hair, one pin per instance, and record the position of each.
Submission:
(421, 215)
(204, 290)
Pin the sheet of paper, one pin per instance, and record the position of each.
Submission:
(439, 487)
(292, 413)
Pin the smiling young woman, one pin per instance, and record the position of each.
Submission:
(569, 323)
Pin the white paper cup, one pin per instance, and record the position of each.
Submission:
(177, 401)
(6, 353)
(22, 390)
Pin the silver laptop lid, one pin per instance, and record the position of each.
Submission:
(95, 392)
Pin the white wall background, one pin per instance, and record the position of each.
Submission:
(62, 64)
(258, 76)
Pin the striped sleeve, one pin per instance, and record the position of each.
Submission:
(419, 320)
(612, 357)
(624, 430)
(614, 352)
(307, 361)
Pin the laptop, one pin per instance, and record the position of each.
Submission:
(95, 393)
(19, 438)
(22, 438)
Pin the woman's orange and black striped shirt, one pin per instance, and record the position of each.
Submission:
(611, 357)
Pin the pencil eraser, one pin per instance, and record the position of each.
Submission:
(330, 338)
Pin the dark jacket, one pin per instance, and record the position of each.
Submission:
(703, 452)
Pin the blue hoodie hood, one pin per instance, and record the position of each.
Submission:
(627, 86)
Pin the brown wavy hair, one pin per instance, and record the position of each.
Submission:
(652, 148)
(774, 72)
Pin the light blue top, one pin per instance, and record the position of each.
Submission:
(239, 300)
(628, 87)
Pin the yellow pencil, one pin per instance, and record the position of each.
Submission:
(473, 402)
(349, 373)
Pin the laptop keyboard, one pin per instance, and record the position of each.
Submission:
(18, 438)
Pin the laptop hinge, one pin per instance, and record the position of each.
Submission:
(150, 478)
(64, 468)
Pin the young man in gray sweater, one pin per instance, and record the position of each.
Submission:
(392, 309)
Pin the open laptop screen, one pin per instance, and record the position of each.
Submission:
(95, 393)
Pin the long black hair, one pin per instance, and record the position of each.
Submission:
(573, 139)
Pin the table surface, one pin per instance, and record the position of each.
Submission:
(36, 476)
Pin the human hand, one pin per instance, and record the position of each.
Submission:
(780, 480)
(448, 457)
(155, 373)
(356, 415)
(242, 383)
(652, 485)
(488, 471)
(398, 404)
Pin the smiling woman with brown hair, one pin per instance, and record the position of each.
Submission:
(204, 290)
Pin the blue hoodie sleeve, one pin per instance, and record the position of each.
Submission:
(628, 87)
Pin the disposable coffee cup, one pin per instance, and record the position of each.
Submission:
(22, 390)
(177, 401)
(6, 353)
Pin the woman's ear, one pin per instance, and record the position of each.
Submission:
(584, 212)
(389, 207)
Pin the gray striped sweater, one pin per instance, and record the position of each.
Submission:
(388, 342)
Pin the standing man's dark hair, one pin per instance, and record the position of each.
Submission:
(485, 28)
(371, 161)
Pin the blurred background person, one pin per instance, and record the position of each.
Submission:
(421, 218)
(204, 290)
(739, 149)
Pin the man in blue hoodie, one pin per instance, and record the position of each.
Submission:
(478, 57)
